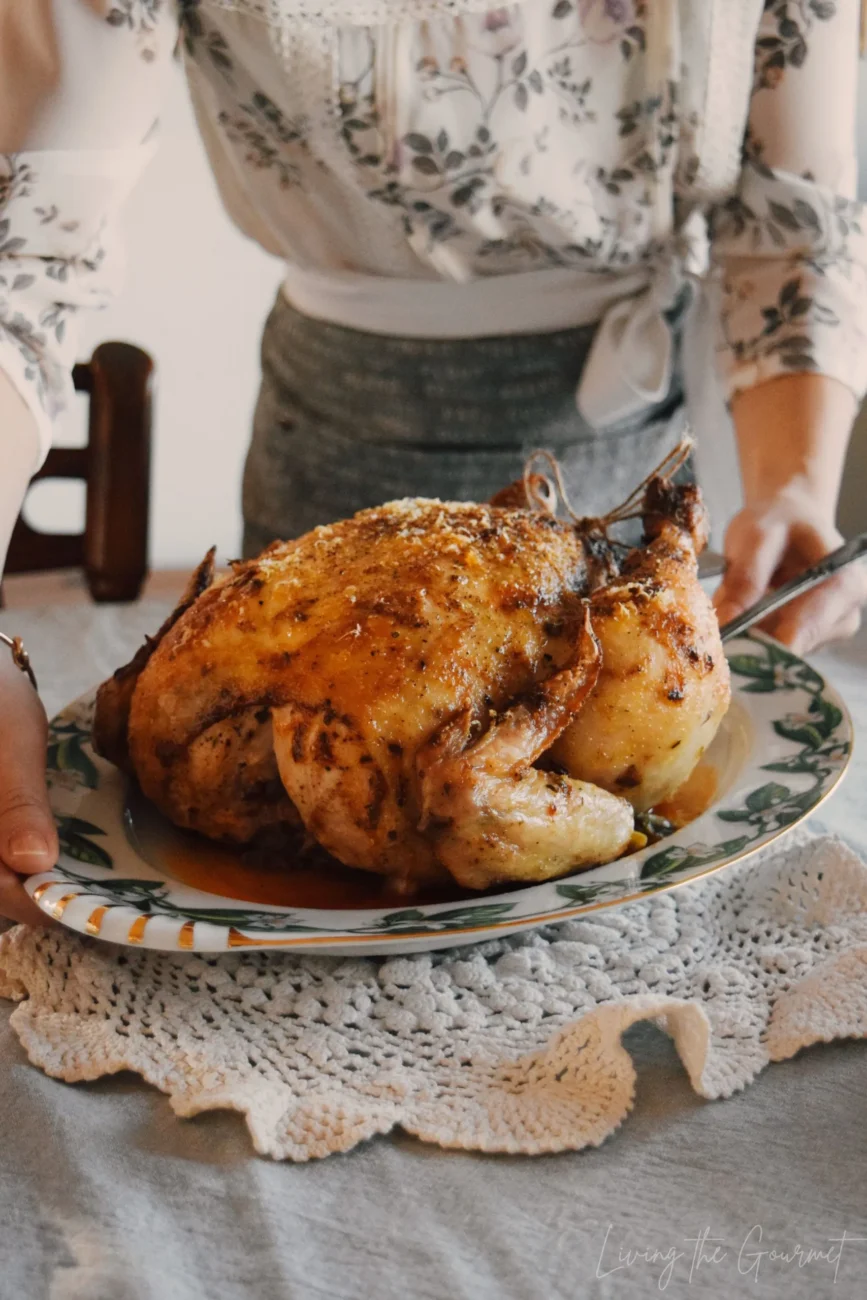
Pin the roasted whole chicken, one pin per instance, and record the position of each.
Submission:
(434, 689)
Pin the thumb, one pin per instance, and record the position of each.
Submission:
(28, 836)
(753, 552)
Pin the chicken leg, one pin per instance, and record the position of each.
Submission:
(492, 816)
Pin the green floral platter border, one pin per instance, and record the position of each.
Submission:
(782, 749)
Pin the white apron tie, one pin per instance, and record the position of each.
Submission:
(630, 363)
(629, 367)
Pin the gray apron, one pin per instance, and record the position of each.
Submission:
(347, 419)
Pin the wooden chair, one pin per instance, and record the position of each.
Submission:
(115, 465)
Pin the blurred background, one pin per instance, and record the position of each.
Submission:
(196, 296)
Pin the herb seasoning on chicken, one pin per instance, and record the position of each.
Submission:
(437, 689)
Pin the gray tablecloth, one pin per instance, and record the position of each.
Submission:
(105, 1195)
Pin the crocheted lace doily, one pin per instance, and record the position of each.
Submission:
(512, 1045)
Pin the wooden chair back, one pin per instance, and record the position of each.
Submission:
(115, 465)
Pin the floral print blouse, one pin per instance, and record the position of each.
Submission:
(445, 140)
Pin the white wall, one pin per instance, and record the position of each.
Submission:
(196, 297)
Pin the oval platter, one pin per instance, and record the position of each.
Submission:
(782, 748)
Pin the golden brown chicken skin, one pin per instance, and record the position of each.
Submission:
(664, 685)
(403, 680)
(360, 640)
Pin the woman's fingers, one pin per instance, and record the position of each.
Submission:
(767, 547)
(28, 837)
(16, 904)
(753, 550)
(829, 612)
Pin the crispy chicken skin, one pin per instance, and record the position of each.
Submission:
(114, 697)
(492, 815)
(395, 678)
(664, 685)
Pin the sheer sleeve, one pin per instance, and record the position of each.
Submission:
(80, 85)
(789, 248)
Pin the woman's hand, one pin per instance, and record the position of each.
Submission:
(28, 837)
(792, 435)
(767, 544)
